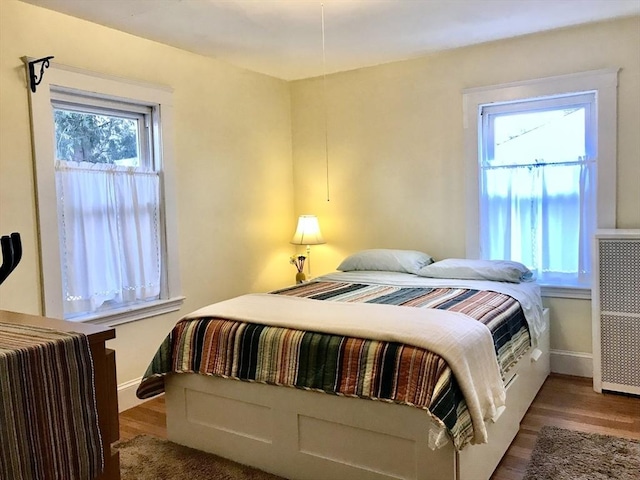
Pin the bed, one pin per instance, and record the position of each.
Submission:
(390, 375)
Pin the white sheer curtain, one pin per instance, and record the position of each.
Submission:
(542, 216)
(110, 245)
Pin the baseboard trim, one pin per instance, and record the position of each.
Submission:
(127, 395)
(578, 364)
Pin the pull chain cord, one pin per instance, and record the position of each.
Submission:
(324, 94)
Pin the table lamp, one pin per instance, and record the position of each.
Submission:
(308, 233)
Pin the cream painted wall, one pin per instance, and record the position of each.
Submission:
(395, 155)
(395, 143)
(233, 162)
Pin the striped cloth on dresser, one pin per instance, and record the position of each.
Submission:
(48, 417)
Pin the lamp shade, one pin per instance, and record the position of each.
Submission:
(308, 231)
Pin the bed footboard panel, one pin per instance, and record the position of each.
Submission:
(303, 435)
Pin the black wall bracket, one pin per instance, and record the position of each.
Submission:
(34, 80)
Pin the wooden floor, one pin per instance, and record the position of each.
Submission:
(563, 401)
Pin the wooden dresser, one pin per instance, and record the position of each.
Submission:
(104, 362)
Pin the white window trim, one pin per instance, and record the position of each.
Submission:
(61, 77)
(605, 83)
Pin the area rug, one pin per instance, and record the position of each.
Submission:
(561, 454)
(150, 458)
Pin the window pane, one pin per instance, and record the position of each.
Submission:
(96, 138)
(537, 196)
(547, 136)
(108, 213)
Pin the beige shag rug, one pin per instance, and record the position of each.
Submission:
(561, 454)
(150, 458)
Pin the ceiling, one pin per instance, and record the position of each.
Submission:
(284, 38)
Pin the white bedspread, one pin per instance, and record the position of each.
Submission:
(464, 343)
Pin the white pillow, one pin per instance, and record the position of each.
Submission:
(466, 269)
(386, 260)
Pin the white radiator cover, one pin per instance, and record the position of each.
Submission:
(616, 311)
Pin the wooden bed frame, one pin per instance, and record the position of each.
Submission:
(302, 435)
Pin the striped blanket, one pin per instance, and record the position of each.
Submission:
(358, 367)
(499, 312)
(48, 418)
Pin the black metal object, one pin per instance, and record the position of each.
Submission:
(11, 246)
(34, 80)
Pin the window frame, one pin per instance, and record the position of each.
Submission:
(58, 80)
(604, 82)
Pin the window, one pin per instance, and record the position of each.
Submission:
(104, 168)
(537, 170)
(542, 175)
(108, 205)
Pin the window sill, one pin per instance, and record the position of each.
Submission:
(582, 293)
(132, 313)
